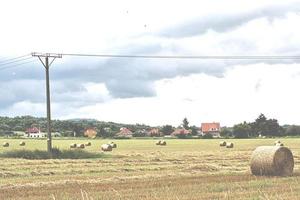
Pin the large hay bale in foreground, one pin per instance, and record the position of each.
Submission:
(229, 145)
(5, 144)
(22, 143)
(113, 145)
(272, 161)
(222, 144)
(88, 144)
(106, 147)
(158, 143)
(72, 145)
(163, 143)
(80, 146)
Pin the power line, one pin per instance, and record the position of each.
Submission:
(16, 65)
(10, 59)
(208, 57)
(15, 61)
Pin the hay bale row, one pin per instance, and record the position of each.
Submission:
(229, 145)
(22, 143)
(161, 142)
(88, 144)
(222, 144)
(106, 147)
(226, 144)
(272, 161)
(278, 143)
(80, 146)
(113, 145)
(5, 144)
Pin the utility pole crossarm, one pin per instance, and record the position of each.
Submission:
(50, 55)
(46, 64)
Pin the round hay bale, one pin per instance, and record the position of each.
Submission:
(106, 147)
(158, 143)
(279, 144)
(80, 146)
(88, 144)
(229, 145)
(73, 145)
(113, 145)
(222, 144)
(163, 143)
(277, 141)
(22, 143)
(5, 144)
(272, 161)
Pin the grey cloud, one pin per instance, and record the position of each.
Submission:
(20, 90)
(67, 91)
(130, 88)
(225, 22)
(124, 78)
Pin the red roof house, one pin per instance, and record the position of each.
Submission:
(154, 132)
(90, 132)
(211, 128)
(124, 132)
(181, 131)
(32, 130)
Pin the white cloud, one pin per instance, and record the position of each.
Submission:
(231, 99)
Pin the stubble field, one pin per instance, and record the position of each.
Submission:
(139, 169)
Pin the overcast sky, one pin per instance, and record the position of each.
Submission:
(152, 91)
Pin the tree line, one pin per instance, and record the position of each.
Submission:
(261, 127)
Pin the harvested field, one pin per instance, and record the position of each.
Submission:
(137, 169)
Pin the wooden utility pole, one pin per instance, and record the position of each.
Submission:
(47, 65)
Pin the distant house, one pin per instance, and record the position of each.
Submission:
(211, 128)
(154, 132)
(181, 132)
(124, 132)
(90, 132)
(34, 132)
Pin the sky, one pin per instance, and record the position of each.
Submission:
(152, 91)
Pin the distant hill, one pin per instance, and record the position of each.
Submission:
(67, 127)
(82, 119)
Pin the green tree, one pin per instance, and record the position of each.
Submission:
(167, 129)
(292, 130)
(185, 123)
(242, 130)
(226, 132)
(264, 126)
(102, 132)
(194, 130)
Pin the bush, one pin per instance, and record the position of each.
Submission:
(122, 137)
(56, 154)
(182, 136)
(207, 136)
